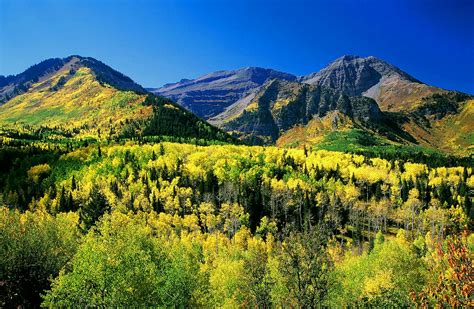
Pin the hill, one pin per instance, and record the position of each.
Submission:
(13, 85)
(82, 97)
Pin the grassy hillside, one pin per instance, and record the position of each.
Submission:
(441, 123)
(78, 101)
(72, 101)
(314, 131)
(452, 133)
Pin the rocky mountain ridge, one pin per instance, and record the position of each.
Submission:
(209, 95)
(393, 89)
(424, 112)
(280, 105)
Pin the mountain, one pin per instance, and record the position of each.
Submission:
(209, 95)
(82, 97)
(393, 89)
(281, 106)
(13, 85)
(414, 113)
(434, 117)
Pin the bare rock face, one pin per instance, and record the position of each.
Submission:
(216, 95)
(355, 75)
(393, 89)
(211, 94)
(282, 105)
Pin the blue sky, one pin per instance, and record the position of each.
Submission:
(155, 42)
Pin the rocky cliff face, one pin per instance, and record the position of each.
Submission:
(281, 105)
(355, 75)
(211, 94)
(393, 89)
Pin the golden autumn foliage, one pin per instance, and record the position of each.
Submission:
(171, 224)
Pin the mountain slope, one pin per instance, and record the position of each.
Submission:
(83, 97)
(427, 113)
(444, 121)
(11, 86)
(413, 112)
(281, 106)
(211, 94)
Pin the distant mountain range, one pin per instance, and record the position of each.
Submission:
(249, 103)
(82, 97)
(352, 75)
(209, 95)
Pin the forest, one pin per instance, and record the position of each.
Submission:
(166, 224)
(236, 154)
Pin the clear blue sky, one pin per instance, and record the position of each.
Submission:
(155, 42)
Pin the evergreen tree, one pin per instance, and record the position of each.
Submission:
(70, 203)
(94, 207)
(63, 203)
(73, 183)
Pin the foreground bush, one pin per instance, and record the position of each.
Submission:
(122, 263)
(34, 246)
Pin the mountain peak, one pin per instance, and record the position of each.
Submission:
(13, 85)
(356, 75)
(347, 58)
(354, 57)
(82, 97)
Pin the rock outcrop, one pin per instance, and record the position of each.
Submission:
(281, 105)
